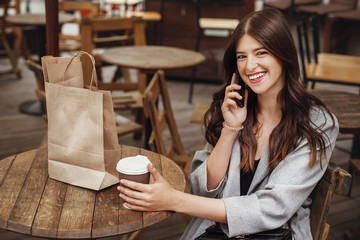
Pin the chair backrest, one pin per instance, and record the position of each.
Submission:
(73, 6)
(15, 4)
(161, 119)
(335, 181)
(116, 31)
(303, 42)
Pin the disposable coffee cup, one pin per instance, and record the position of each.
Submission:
(134, 169)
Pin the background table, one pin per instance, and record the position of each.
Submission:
(346, 107)
(35, 107)
(38, 20)
(34, 204)
(149, 59)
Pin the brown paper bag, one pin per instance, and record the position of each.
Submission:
(83, 147)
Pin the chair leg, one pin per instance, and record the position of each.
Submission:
(12, 57)
(192, 82)
(139, 118)
(351, 171)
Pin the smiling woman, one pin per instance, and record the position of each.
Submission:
(276, 147)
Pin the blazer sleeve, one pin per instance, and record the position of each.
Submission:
(286, 189)
(198, 176)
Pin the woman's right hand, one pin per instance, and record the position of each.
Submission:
(234, 115)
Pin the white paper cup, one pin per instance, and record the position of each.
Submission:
(134, 169)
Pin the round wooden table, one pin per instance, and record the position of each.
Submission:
(32, 203)
(38, 20)
(152, 58)
(149, 59)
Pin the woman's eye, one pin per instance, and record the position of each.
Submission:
(261, 53)
(241, 57)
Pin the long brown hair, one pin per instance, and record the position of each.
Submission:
(271, 29)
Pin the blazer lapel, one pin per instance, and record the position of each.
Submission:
(262, 170)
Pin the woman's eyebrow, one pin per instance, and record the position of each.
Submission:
(254, 50)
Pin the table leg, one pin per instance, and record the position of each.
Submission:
(35, 107)
(192, 82)
(41, 42)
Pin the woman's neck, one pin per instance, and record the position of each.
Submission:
(269, 107)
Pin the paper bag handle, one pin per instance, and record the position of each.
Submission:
(93, 75)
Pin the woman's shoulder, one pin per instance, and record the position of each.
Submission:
(320, 117)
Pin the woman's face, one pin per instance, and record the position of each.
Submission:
(259, 69)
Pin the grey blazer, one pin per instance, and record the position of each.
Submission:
(279, 199)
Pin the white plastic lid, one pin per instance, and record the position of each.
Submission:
(133, 165)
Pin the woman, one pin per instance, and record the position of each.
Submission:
(264, 159)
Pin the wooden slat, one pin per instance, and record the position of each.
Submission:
(77, 212)
(133, 221)
(106, 24)
(11, 186)
(199, 112)
(4, 167)
(48, 215)
(25, 208)
(344, 182)
(106, 219)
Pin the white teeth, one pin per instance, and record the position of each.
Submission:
(256, 76)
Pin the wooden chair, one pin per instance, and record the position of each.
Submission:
(163, 124)
(324, 67)
(354, 168)
(69, 42)
(5, 31)
(339, 25)
(335, 181)
(127, 96)
(109, 32)
(163, 120)
(323, 9)
(217, 26)
(98, 34)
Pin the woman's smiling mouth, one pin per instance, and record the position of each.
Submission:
(256, 77)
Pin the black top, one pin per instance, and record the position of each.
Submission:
(246, 178)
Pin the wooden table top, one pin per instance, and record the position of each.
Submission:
(335, 68)
(152, 57)
(38, 19)
(345, 106)
(32, 203)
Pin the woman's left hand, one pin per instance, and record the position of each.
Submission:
(158, 196)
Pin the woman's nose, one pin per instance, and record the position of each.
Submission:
(251, 64)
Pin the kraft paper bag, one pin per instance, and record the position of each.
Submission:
(83, 147)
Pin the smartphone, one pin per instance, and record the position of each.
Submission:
(240, 82)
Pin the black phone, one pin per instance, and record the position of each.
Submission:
(240, 82)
